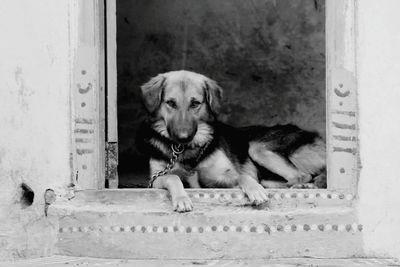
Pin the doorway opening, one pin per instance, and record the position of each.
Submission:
(268, 56)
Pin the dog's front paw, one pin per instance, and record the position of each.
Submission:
(182, 203)
(299, 178)
(320, 181)
(256, 193)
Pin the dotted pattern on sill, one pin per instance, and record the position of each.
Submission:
(277, 196)
(260, 229)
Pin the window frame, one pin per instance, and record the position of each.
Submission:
(94, 104)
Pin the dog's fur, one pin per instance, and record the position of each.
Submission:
(183, 108)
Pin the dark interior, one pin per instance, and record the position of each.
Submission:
(268, 55)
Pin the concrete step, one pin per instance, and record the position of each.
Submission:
(140, 224)
(62, 261)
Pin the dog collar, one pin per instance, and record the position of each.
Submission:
(176, 151)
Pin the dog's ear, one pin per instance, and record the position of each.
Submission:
(152, 92)
(213, 94)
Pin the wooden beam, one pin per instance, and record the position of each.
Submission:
(342, 110)
(87, 94)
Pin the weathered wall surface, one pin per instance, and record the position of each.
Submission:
(34, 120)
(35, 134)
(379, 94)
(269, 56)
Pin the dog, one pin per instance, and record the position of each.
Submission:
(189, 147)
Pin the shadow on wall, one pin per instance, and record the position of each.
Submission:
(268, 55)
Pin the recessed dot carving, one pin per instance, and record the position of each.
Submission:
(342, 170)
(270, 229)
(83, 72)
(83, 104)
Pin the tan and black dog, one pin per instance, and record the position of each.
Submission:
(183, 108)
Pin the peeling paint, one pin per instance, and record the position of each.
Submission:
(344, 125)
(84, 90)
(22, 90)
(341, 93)
(346, 150)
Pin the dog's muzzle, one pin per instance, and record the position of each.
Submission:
(183, 136)
(182, 128)
(183, 133)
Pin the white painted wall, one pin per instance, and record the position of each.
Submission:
(34, 118)
(378, 56)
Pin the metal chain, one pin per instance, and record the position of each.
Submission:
(176, 151)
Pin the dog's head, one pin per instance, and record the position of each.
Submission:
(181, 103)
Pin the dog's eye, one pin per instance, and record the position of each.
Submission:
(171, 104)
(195, 104)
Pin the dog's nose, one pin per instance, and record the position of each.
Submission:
(184, 137)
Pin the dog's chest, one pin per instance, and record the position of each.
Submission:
(217, 170)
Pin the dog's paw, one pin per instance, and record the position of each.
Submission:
(304, 186)
(320, 181)
(256, 193)
(182, 204)
(299, 178)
